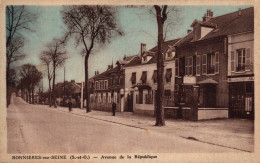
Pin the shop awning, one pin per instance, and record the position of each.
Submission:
(207, 81)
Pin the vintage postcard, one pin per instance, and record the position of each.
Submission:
(122, 81)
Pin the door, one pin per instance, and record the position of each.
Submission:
(210, 95)
(130, 102)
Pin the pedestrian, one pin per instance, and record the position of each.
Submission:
(70, 104)
(114, 108)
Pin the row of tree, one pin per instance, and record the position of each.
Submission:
(90, 26)
(30, 79)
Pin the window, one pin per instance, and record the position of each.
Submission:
(144, 77)
(211, 63)
(140, 96)
(115, 80)
(106, 86)
(177, 67)
(240, 60)
(216, 62)
(149, 98)
(188, 65)
(154, 76)
(145, 58)
(133, 78)
(96, 85)
(249, 88)
(168, 75)
(198, 60)
(204, 64)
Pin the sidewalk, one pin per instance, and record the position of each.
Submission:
(231, 133)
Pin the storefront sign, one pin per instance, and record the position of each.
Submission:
(189, 80)
(241, 79)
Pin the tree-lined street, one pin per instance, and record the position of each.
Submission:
(39, 129)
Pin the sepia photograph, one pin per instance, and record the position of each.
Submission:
(127, 82)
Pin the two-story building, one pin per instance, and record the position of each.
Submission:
(141, 79)
(241, 66)
(202, 58)
(107, 86)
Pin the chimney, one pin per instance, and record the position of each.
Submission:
(188, 31)
(72, 81)
(124, 57)
(207, 16)
(143, 48)
(97, 72)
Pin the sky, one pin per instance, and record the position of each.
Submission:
(138, 25)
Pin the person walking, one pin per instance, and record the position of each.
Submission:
(114, 108)
(70, 104)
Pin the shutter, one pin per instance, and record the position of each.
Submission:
(233, 66)
(186, 66)
(204, 64)
(198, 60)
(194, 65)
(177, 67)
(248, 60)
(216, 62)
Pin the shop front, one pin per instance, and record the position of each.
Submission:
(241, 97)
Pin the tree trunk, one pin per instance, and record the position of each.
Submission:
(29, 93)
(53, 87)
(160, 68)
(7, 84)
(50, 93)
(88, 109)
(32, 96)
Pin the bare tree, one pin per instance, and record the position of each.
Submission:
(18, 19)
(56, 56)
(161, 16)
(46, 61)
(90, 26)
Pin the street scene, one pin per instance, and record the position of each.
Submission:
(40, 129)
(130, 79)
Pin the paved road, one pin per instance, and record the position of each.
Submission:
(35, 129)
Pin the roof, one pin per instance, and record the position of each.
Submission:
(227, 24)
(152, 52)
(106, 73)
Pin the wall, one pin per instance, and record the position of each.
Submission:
(212, 113)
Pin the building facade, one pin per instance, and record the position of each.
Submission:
(241, 75)
(141, 79)
(205, 57)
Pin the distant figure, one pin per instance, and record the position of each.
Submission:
(70, 104)
(114, 108)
